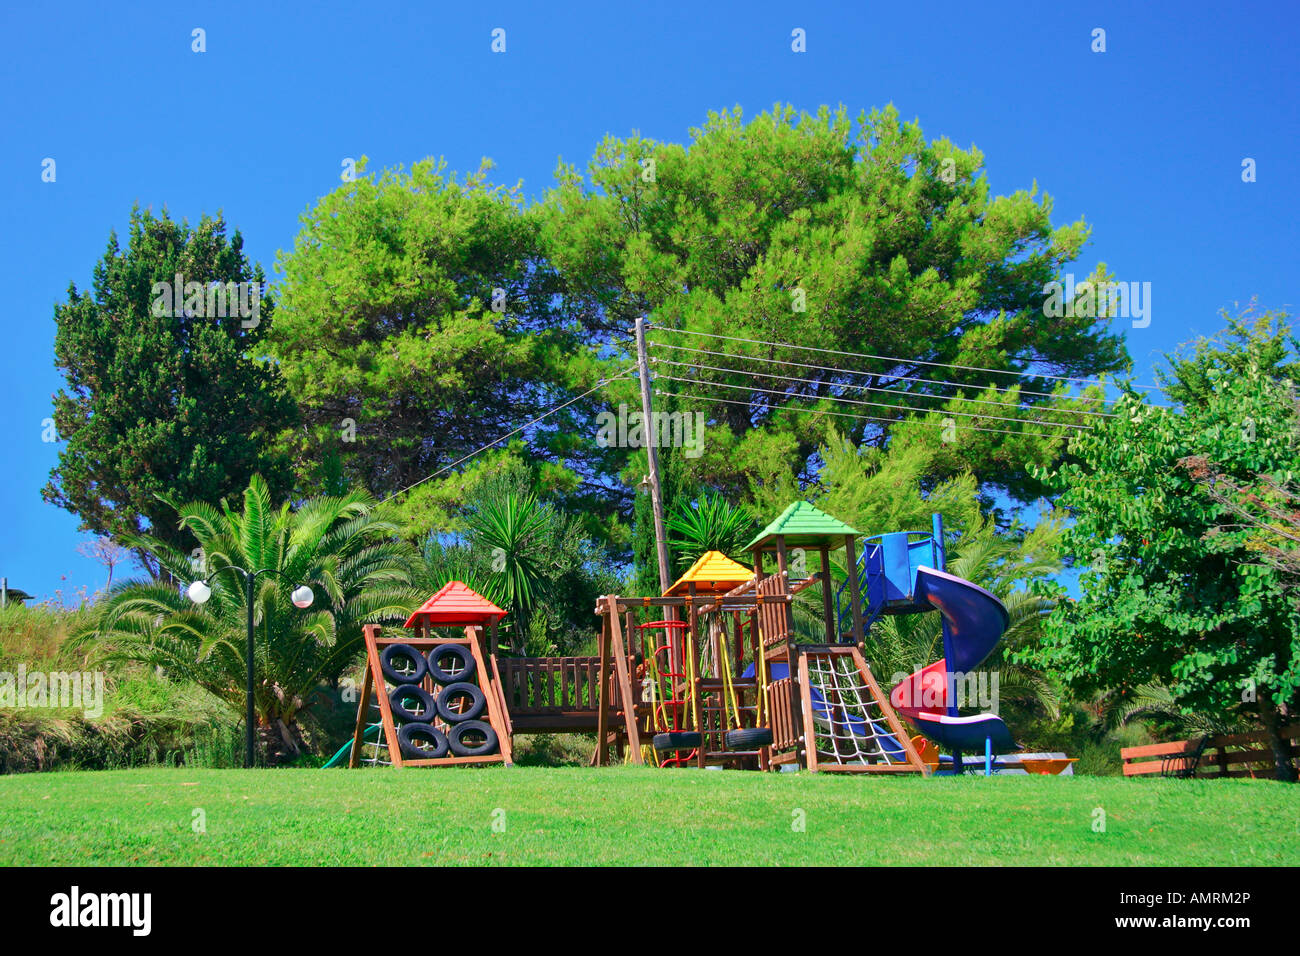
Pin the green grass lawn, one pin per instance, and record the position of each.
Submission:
(629, 815)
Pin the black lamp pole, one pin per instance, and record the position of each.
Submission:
(249, 719)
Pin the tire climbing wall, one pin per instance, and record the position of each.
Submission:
(428, 702)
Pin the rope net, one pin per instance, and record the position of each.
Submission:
(849, 723)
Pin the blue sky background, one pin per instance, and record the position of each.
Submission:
(1145, 140)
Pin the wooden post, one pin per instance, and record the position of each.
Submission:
(602, 708)
(828, 599)
(855, 591)
(619, 648)
(358, 736)
(810, 744)
(371, 632)
(692, 622)
(651, 434)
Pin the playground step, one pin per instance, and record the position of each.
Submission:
(716, 683)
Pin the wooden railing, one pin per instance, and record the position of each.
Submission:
(1233, 755)
(553, 694)
(784, 727)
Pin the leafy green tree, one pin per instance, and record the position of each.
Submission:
(415, 327)
(344, 548)
(1175, 592)
(162, 393)
(858, 238)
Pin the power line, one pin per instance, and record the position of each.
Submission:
(577, 398)
(900, 408)
(869, 418)
(869, 388)
(851, 371)
(898, 361)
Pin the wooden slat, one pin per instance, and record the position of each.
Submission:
(371, 633)
(363, 712)
(602, 708)
(809, 742)
(625, 684)
(492, 693)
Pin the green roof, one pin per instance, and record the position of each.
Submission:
(802, 524)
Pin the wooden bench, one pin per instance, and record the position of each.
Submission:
(1224, 755)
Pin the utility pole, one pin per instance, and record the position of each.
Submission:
(651, 434)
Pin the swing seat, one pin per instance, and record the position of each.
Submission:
(748, 738)
(677, 740)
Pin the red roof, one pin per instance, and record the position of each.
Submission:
(455, 603)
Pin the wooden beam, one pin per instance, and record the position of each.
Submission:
(363, 711)
(828, 599)
(810, 729)
(855, 589)
(602, 709)
(624, 683)
(371, 634)
(492, 691)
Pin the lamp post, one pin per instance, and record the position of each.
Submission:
(199, 592)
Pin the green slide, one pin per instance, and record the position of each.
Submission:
(341, 758)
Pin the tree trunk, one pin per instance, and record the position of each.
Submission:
(279, 741)
(1283, 768)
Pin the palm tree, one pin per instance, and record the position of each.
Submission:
(513, 527)
(343, 546)
(711, 524)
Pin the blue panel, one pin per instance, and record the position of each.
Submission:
(898, 569)
(967, 733)
(975, 618)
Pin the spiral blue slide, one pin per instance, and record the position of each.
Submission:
(974, 620)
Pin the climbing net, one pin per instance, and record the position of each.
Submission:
(849, 723)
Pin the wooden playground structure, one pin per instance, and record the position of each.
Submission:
(709, 673)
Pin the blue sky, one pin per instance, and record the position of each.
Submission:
(1145, 140)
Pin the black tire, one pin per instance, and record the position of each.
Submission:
(678, 740)
(458, 656)
(749, 738)
(410, 736)
(453, 693)
(399, 700)
(456, 738)
(402, 664)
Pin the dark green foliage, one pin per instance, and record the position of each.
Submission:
(162, 404)
(1174, 591)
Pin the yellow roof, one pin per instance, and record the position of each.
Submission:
(713, 573)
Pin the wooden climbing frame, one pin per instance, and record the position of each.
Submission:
(373, 686)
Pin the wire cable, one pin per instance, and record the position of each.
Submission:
(866, 418)
(577, 398)
(899, 361)
(853, 401)
(898, 378)
(868, 388)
